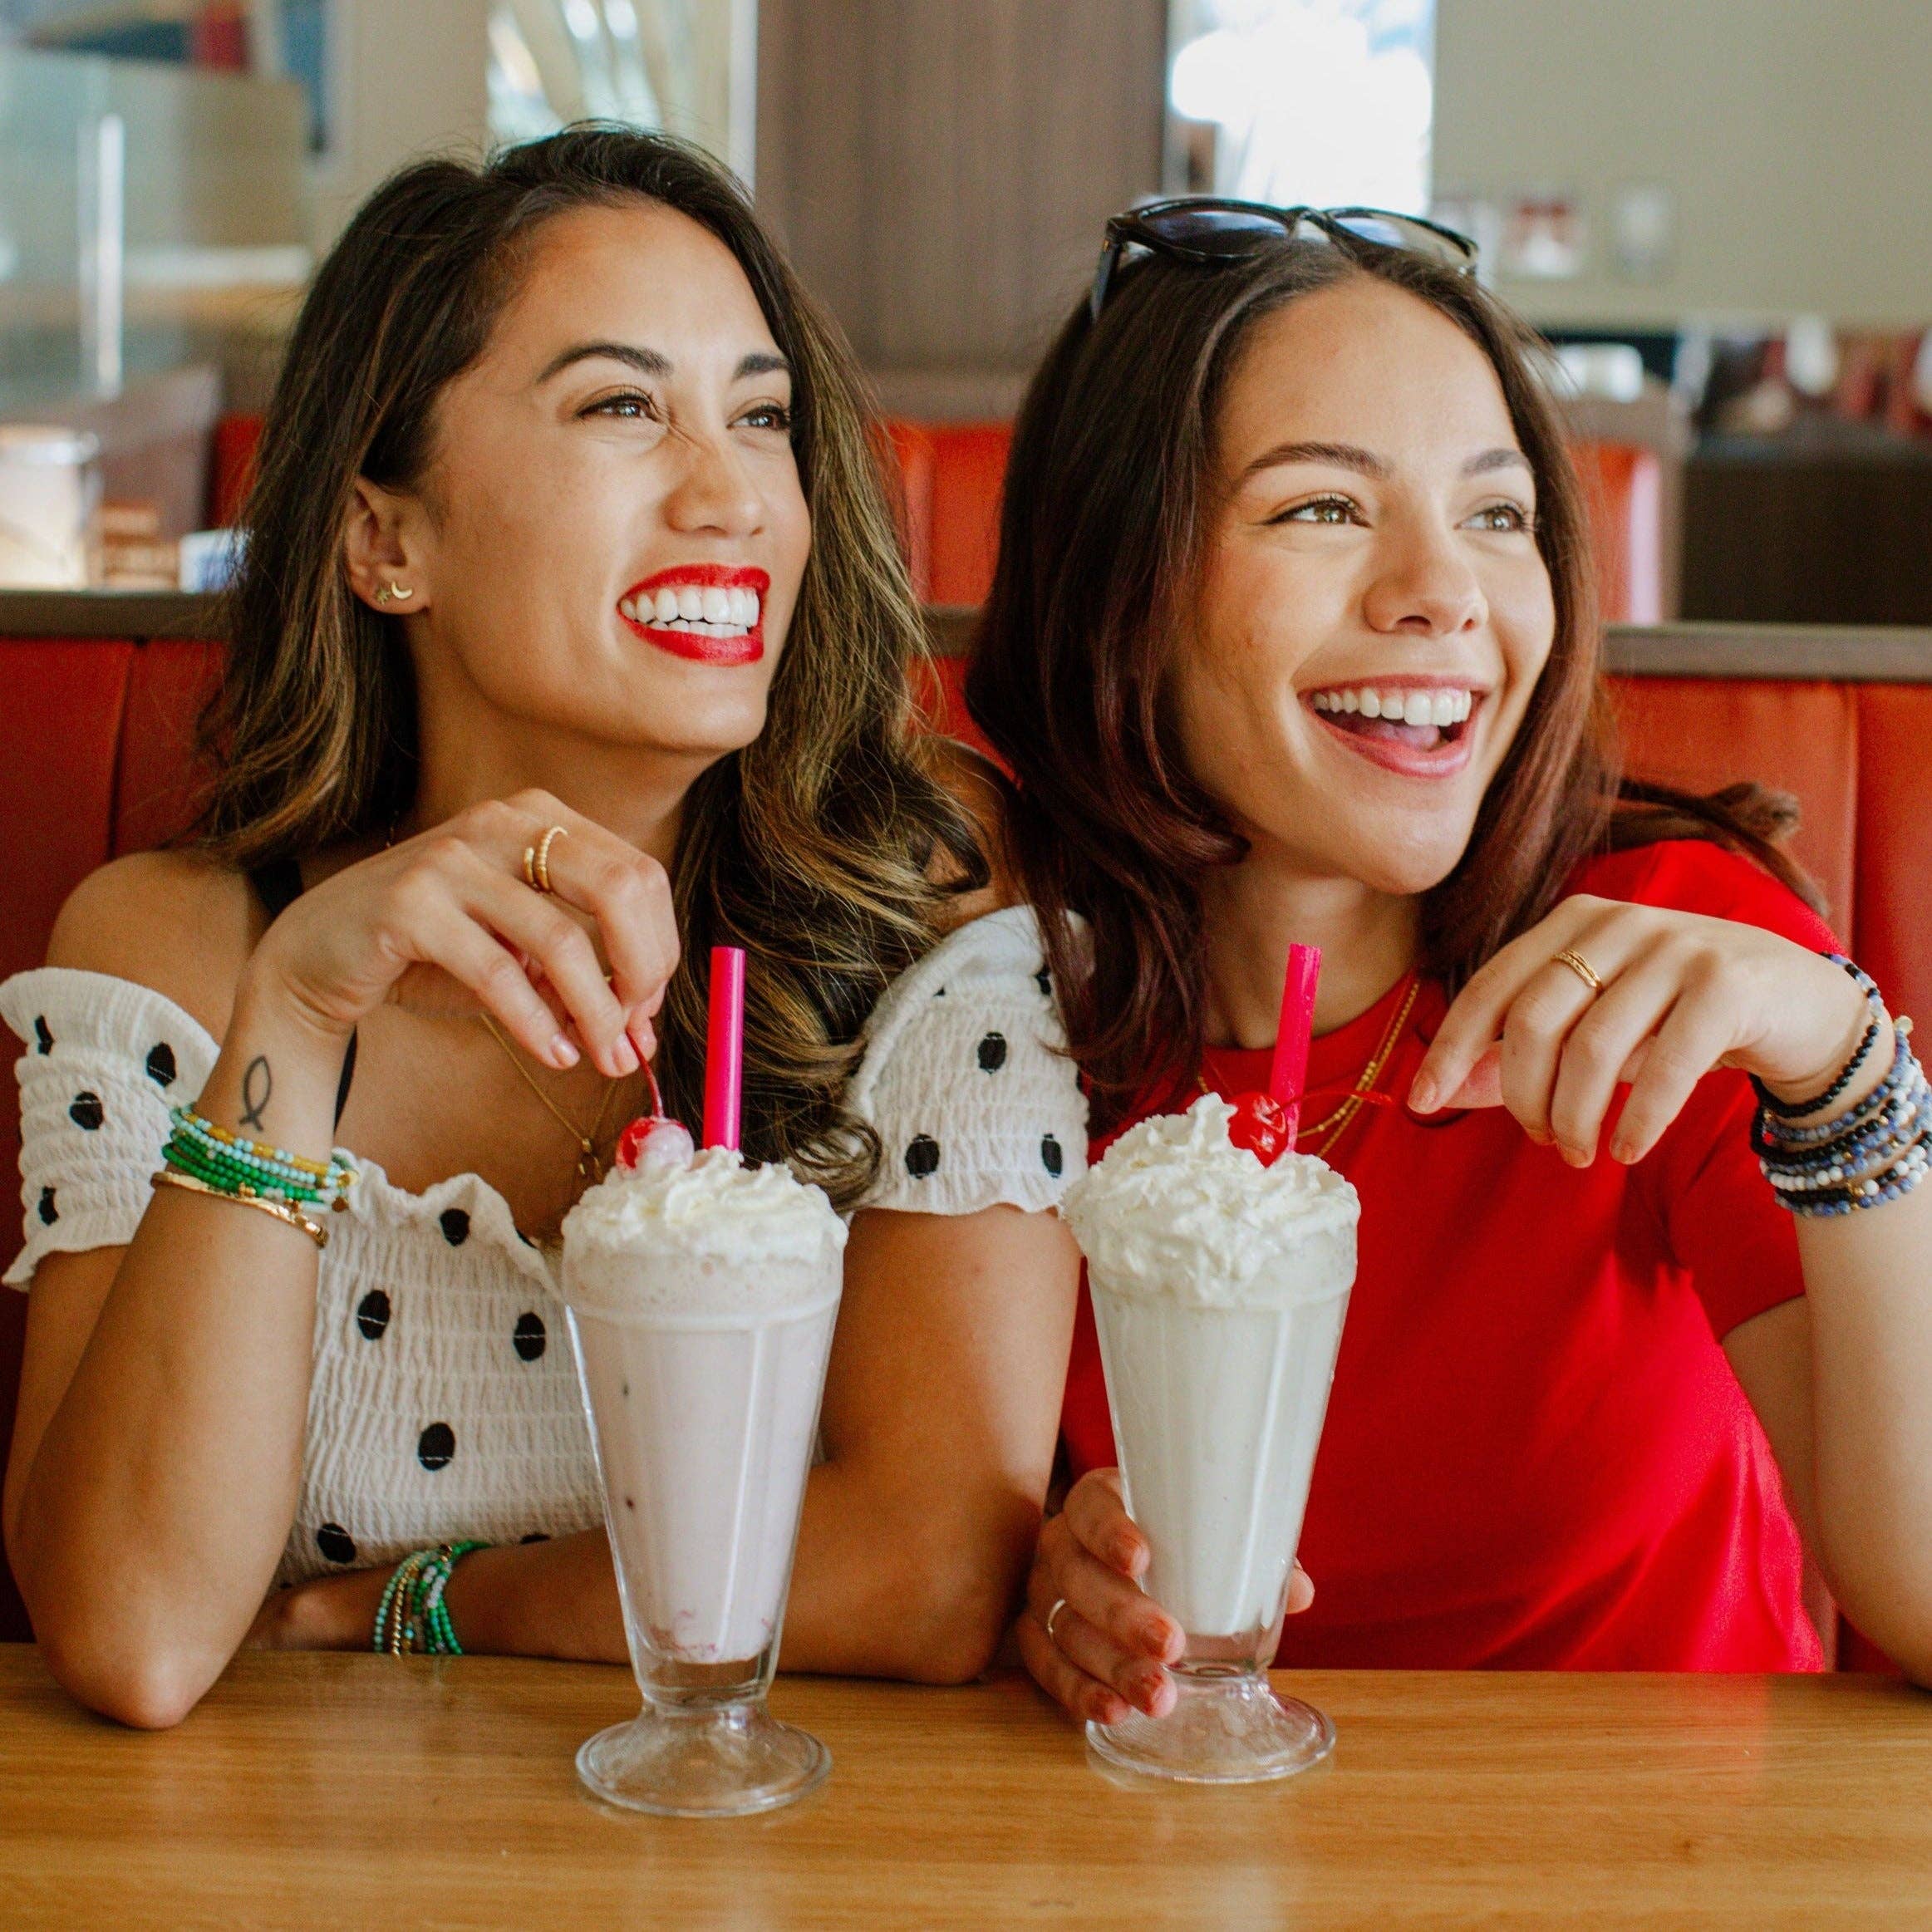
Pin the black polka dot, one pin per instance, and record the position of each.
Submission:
(336, 1543)
(436, 1445)
(161, 1068)
(42, 1038)
(86, 1111)
(535, 1536)
(455, 1225)
(922, 1156)
(49, 1214)
(941, 994)
(1050, 1157)
(372, 1315)
(992, 1053)
(531, 1338)
(1044, 979)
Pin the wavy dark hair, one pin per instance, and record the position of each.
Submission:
(825, 848)
(1107, 497)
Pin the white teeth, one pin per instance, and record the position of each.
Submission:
(711, 610)
(1438, 706)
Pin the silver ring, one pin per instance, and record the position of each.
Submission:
(1060, 1603)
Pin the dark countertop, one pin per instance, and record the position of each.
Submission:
(109, 613)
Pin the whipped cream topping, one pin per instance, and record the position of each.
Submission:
(1176, 1211)
(711, 1237)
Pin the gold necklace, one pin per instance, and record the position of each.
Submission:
(589, 1168)
(1337, 1123)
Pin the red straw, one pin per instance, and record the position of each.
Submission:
(1288, 1076)
(724, 1047)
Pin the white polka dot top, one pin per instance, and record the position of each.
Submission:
(443, 1402)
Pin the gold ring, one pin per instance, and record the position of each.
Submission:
(1060, 1605)
(537, 860)
(1581, 967)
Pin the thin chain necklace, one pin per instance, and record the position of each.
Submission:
(589, 1166)
(1337, 1123)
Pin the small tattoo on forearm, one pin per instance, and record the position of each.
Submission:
(253, 1102)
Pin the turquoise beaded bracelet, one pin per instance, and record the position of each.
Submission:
(412, 1617)
(231, 1163)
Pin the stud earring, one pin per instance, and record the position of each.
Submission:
(393, 593)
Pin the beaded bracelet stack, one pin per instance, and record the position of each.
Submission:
(1876, 1151)
(412, 1618)
(207, 1159)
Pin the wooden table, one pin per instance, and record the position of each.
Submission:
(353, 1792)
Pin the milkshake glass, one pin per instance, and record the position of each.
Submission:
(1219, 1285)
(701, 1296)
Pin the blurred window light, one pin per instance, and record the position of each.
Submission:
(1327, 103)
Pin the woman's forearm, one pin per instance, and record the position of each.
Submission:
(152, 1502)
(1868, 1278)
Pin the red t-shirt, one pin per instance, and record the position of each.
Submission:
(1536, 1455)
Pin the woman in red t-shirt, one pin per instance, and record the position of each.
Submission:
(1292, 640)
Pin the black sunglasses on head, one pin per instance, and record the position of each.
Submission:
(1211, 233)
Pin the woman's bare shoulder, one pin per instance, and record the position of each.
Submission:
(173, 921)
(978, 786)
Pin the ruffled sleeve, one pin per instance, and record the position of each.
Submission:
(104, 1061)
(965, 1079)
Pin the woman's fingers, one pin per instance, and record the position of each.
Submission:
(1473, 1024)
(1697, 1032)
(1099, 1519)
(1139, 1680)
(1597, 1053)
(1536, 1033)
(445, 935)
(1085, 1698)
(1114, 1604)
(554, 945)
(625, 891)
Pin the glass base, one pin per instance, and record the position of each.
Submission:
(1226, 1729)
(721, 1762)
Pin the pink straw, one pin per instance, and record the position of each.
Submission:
(724, 1047)
(1288, 1076)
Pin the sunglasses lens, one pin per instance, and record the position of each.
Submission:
(1213, 231)
(1415, 237)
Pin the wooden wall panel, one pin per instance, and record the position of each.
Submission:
(940, 169)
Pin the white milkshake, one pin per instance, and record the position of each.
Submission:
(1219, 1285)
(702, 1295)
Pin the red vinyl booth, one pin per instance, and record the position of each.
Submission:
(95, 751)
(950, 475)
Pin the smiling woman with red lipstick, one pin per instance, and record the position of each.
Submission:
(1291, 640)
(572, 641)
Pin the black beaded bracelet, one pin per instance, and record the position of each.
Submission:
(1795, 1109)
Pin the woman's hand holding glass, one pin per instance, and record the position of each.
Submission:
(1677, 995)
(447, 921)
(1111, 1643)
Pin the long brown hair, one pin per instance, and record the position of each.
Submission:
(816, 847)
(1102, 532)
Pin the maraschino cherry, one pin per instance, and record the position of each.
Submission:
(1259, 1123)
(655, 1140)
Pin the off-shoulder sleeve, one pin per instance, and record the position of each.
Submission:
(966, 1080)
(104, 1061)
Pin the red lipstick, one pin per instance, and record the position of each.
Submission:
(695, 646)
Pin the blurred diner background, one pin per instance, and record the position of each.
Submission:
(1716, 213)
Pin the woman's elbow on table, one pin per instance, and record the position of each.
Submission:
(960, 1591)
(147, 1686)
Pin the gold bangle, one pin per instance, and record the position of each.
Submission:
(169, 1178)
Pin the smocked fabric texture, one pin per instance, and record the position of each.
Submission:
(443, 1402)
(966, 1079)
